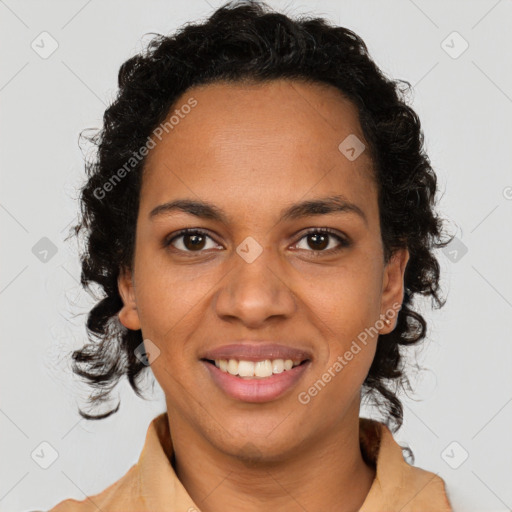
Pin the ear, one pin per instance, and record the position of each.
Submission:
(128, 315)
(393, 288)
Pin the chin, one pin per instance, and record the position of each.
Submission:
(251, 451)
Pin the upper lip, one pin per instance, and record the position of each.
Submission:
(256, 352)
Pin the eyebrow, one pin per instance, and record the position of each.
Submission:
(206, 210)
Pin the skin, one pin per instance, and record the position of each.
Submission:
(252, 150)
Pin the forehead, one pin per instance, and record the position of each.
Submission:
(255, 141)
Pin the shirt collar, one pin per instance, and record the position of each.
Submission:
(397, 485)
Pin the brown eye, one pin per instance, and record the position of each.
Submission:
(193, 242)
(318, 240)
(190, 240)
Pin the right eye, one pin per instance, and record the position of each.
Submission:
(189, 240)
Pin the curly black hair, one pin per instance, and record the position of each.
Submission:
(249, 41)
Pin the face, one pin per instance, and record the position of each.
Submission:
(283, 261)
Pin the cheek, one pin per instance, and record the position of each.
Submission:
(346, 307)
(347, 300)
(167, 295)
(334, 389)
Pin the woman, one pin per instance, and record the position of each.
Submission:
(260, 216)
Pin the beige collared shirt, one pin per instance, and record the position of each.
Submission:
(151, 485)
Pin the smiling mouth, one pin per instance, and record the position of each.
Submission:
(262, 369)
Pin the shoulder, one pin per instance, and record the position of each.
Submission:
(121, 496)
(128, 494)
(398, 485)
(421, 488)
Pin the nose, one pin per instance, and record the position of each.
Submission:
(255, 291)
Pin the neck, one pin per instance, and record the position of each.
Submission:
(326, 473)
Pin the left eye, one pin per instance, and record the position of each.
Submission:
(319, 239)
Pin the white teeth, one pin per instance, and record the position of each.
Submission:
(233, 367)
(277, 366)
(263, 368)
(258, 369)
(245, 368)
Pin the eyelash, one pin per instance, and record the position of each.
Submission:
(343, 242)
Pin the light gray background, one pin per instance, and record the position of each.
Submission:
(465, 105)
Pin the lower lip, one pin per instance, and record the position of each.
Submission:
(256, 390)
